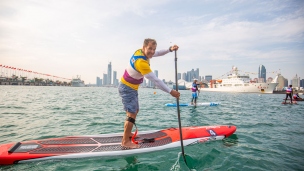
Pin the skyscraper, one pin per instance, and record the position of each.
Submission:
(208, 77)
(281, 80)
(179, 76)
(196, 73)
(156, 73)
(98, 82)
(262, 72)
(296, 81)
(105, 77)
(109, 80)
(184, 76)
(115, 81)
(302, 83)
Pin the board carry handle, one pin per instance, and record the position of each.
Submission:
(13, 148)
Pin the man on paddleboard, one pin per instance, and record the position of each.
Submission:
(139, 67)
(289, 93)
(194, 90)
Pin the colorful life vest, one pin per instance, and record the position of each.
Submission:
(194, 87)
(289, 90)
(134, 74)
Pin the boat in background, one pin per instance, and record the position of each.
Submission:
(77, 82)
(240, 83)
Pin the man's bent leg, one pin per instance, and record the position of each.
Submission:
(126, 142)
(131, 134)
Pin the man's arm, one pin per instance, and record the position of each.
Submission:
(197, 87)
(159, 83)
(165, 51)
(161, 52)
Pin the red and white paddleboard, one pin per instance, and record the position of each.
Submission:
(107, 144)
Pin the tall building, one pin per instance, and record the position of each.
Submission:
(282, 82)
(208, 77)
(302, 83)
(296, 82)
(156, 73)
(188, 76)
(98, 82)
(285, 82)
(262, 72)
(109, 80)
(151, 84)
(196, 73)
(184, 76)
(179, 76)
(105, 79)
(115, 80)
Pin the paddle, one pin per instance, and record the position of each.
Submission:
(199, 90)
(178, 112)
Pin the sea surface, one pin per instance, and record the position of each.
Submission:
(269, 136)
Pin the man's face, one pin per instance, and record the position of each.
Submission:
(149, 50)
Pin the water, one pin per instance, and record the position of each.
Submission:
(269, 135)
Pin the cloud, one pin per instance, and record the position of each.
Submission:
(83, 36)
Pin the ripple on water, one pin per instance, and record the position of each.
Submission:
(268, 135)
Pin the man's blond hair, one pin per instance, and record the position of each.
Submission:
(148, 40)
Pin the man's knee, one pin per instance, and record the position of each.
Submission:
(132, 115)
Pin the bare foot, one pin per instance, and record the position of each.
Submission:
(130, 145)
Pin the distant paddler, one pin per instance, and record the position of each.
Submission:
(194, 90)
(296, 97)
(289, 93)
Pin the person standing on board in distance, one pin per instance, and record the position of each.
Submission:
(194, 90)
(139, 67)
(289, 93)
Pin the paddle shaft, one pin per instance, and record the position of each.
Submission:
(178, 112)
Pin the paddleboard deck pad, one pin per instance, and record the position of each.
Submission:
(107, 144)
(197, 104)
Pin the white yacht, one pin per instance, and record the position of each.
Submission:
(240, 83)
(77, 82)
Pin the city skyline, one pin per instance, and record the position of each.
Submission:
(187, 76)
(65, 43)
(107, 78)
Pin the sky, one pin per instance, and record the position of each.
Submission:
(67, 38)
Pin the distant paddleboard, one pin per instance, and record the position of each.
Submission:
(296, 99)
(197, 104)
(108, 144)
(293, 102)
